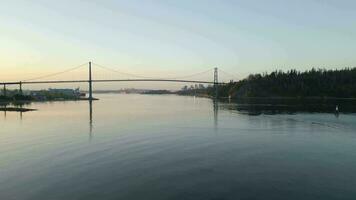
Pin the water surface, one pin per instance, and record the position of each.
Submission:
(173, 147)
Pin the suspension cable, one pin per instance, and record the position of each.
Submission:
(120, 72)
(229, 74)
(192, 75)
(55, 74)
(140, 76)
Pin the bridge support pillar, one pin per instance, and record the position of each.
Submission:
(90, 84)
(20, 87)
(4, 91)
(216, 83)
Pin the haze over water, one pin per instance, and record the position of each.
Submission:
(173, 147)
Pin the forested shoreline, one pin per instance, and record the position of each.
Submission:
(316, 83)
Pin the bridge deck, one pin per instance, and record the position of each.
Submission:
(112, 80)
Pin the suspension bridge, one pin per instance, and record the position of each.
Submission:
(37, 80)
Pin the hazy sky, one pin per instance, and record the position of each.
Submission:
(156, 38)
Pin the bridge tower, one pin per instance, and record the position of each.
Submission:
(216, 82)
(90, 84)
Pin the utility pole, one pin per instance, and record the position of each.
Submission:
(90, 84)
(216, 82)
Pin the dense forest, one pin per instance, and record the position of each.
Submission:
(312, 83)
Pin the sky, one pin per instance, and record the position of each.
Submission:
(167, 38)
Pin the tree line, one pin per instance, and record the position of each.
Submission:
(313, 83)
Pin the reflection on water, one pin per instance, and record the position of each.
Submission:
(15, 107)
(216, 112)
(251, 107)
(245, 107)
(21, 105)
(174, 147)
(90, 120)
(273, 106)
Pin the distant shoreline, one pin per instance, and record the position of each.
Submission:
(293, 98)
(54, 100)
(197, 95)
(248, 104)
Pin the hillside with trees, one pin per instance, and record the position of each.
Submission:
(312, 83)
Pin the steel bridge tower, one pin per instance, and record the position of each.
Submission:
(90, 83)
(216, 82)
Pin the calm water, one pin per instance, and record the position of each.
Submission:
(171, 147)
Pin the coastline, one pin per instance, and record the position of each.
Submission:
(54, 100)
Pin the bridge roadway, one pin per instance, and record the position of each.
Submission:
(109, 80)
